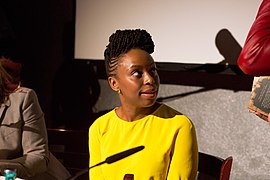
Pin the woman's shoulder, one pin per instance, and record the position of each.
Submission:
(107, 115)
(104, 119)
(168, 112)
(23, 90)
(23, 93)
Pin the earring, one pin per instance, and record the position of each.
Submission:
(118, 91)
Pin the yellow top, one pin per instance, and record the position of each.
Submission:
(170, 152)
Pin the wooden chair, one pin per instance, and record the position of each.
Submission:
(70, 147)
(214, 168)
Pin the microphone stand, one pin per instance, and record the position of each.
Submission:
(110, 159)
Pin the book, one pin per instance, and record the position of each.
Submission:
(260, 95)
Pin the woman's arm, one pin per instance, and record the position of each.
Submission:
(34, 139)
(255, 55)
(184, 161)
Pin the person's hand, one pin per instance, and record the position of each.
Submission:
(262, 116)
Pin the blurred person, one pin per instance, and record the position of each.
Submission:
(255, 54)
(23, 133)
(254, 58)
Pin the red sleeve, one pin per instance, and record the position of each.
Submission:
(254, 58)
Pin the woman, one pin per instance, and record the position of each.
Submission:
(169, 137)
(23, 134)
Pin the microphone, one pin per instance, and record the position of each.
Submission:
(119, 156)
(112, 159)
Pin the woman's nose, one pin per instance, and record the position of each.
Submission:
(149, 79)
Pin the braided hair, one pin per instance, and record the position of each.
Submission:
(121, 42)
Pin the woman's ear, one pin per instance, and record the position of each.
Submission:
(113, 83)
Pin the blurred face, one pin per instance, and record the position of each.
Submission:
(137, 78)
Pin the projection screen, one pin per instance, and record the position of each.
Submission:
(184, 31)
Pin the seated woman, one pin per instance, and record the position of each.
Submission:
(23, 134)
(169, 137)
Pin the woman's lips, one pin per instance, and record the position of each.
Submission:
(149, 93)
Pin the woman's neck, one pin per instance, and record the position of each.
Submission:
(130, 114)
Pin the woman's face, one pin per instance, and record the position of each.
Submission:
(137, 78)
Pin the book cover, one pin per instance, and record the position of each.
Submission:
(260, 95)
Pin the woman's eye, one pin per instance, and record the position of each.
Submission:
(137, 73)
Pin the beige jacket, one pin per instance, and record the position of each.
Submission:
(23, 138)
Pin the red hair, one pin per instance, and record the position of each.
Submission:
(9, 77)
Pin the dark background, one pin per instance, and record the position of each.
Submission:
(38, 34)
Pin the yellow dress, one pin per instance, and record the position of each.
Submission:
(171, 150)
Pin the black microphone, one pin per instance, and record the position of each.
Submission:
(119, 156)
(112, 159)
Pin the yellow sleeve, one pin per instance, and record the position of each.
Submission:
(184, 159)
(94, 152)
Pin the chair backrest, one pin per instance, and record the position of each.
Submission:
(70, 147)
(213, 167)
